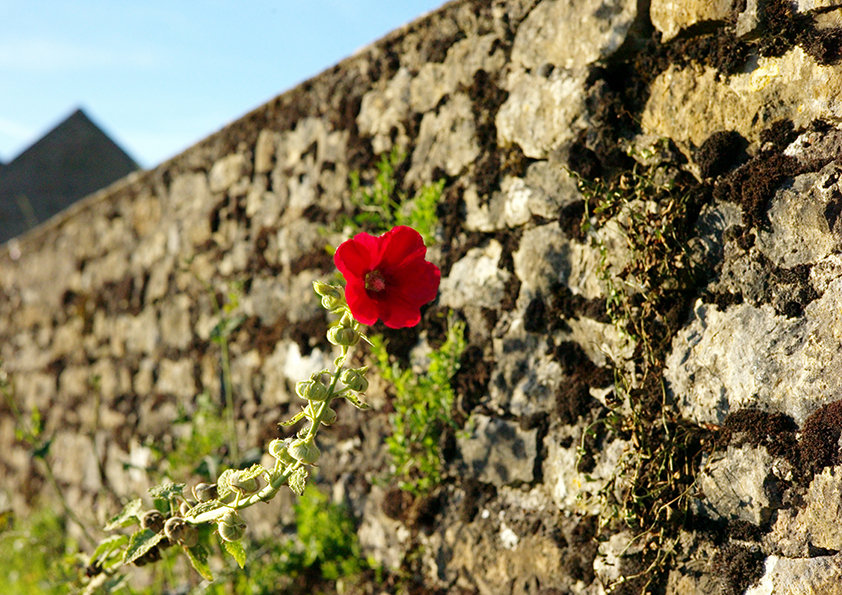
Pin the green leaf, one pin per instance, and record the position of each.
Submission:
(295, 419)
(255, 471)
(355, 400)
(107, 546)
(298, 480)
(198, 555)
(224, 491)
(167, 490)
(128, 516)
(235, 548)
(42, 451)
(141, 542)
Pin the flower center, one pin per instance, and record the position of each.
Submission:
(375, 282)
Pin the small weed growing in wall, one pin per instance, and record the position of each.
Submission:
(423, 404)
(381, 205)
(36, 554)
(324, 550)
(651, 208)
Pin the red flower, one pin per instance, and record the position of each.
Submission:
(387, 277)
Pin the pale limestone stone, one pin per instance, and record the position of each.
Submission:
(822, 514)
(737, 485)
(800, 230)
(226, 172)
(751, 357)
(74, 461)
(145, 214)
(446, 139)
(176, 330)
(140, 333)
(385, 108)
(821, 574)
(463, 60)
(570, 490)
(497, 451)
(189, 192)
(570, 35)
(525, 378)
(541, 114)
(67, 339)
(35, 390)
(74, 381)
(689, 104)
(671, 16)
(176, 378)
(808, 5)
(475, 279)
(264, 151)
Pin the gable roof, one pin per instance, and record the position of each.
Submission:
(71, 161)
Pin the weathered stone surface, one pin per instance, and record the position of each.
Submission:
(226, 172)
(498, 452)
(264, 151)
(571, 34)
(804, 222)
(821, 574)
(750, 356)
(544, 191)
(671, 16)
(176, 328)
(543, 112)
(447, 140)
(525, 378)
(384, 109)
(475, 280)
(689, 104)
(738, 485)
(176, 378)
(464, 58)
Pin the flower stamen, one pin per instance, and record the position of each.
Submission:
(375, 282)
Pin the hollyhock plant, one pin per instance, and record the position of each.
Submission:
(387, 277)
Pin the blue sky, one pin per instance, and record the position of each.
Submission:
(158, 75)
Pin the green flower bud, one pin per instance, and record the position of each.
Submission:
(343, 335)
(181, 532)
(231, 526)
(184, 508)
(313, 389)
(279, 449)
(305, 451)
(328, 417)
(355, 379)
(152, 520)
(204, 492)
(152, 555)
(332, 298)
(246, 486)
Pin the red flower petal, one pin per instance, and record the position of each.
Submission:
(402, 244)
(364, 309)
(355, 257)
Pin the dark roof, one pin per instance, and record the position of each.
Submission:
(71, 161)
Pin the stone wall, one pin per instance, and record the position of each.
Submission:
(503, 99)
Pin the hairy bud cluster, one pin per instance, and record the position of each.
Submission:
(181, 532)
(313, 389)
(332, 298)
(231, 526)
(152, 520)
(304, 450)
(343, 336)
(354, 378)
